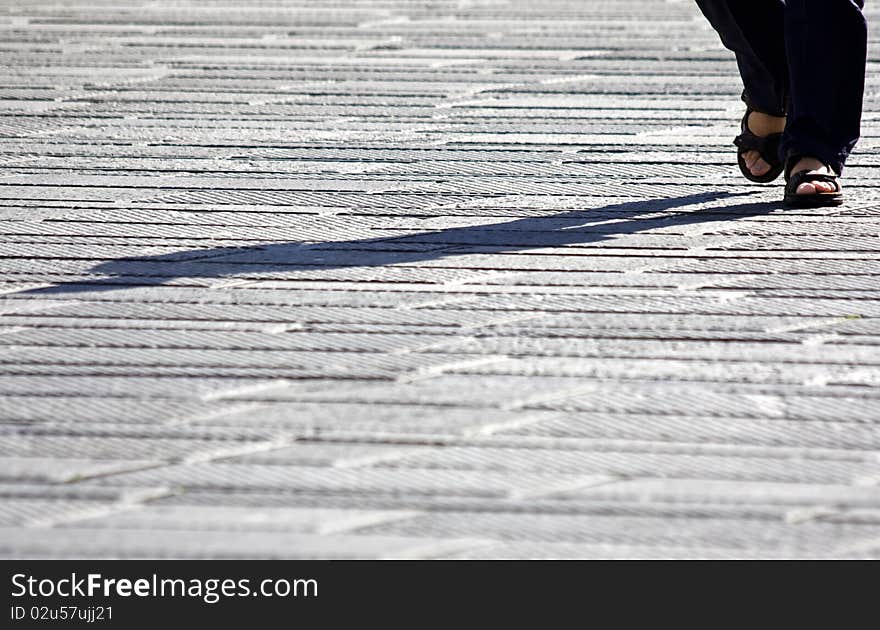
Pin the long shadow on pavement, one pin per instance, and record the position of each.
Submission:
(557, 230)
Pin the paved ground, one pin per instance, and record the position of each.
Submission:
(388, 278)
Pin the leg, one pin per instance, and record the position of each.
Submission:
(826, 44)
(752, 30)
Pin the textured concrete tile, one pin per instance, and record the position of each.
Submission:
(703, 430)
(103, 447)
(237, 519)
(63, 469)
(352, 480)
(15, 512)
(732, 466)
(326, 454)
(78, 411)
(309, 418)
(779, 537)
(705, 491)
(135, 543)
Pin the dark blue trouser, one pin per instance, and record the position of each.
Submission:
(804, 59)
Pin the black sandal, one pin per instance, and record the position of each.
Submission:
(767, 147)
(814, 200)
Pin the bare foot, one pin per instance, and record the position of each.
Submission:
(812, 165)
(762, 125)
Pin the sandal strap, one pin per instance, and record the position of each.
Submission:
(806, 177)
(766, 146)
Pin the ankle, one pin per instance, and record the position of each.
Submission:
(762, 124)
(810, 164)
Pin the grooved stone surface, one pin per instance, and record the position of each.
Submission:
(411, 279)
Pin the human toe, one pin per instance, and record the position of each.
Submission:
(807, 189)
(759, 167)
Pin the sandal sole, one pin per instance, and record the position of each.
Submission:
(813, 201)
(770, 176)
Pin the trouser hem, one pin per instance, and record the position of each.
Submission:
(765, 108)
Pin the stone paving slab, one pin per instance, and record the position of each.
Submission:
(447, 279)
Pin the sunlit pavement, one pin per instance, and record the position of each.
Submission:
(446, 279)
